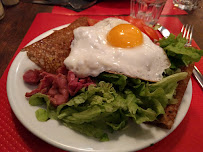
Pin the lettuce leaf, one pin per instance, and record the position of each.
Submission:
(110, 108)
(42, 114)
(116, 79)
(89, 129)
(178, 54)
(38, 99)
(168, 84)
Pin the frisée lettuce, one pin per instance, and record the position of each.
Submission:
(109, 105)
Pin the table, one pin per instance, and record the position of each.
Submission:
(13, 28)
(19, 18)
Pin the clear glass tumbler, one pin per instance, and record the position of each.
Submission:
(148, 10)
(186, 4)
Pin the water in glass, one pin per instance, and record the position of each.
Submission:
(148, 10)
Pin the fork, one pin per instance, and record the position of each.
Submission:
(187, 31)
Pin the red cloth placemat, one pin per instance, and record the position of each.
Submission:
(14, 137)
(115, 7)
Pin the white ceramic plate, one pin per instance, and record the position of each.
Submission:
(135, 137)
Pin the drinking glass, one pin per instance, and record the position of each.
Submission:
(148, 10)
(186, 4)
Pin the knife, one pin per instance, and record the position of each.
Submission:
(197, 74)
(164, 31)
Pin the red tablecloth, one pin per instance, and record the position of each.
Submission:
(14, 137)
(115, 7)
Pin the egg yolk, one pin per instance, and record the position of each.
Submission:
(125, 36)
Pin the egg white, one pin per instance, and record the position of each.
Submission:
(91, 54)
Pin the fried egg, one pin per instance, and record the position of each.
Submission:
(117, 46)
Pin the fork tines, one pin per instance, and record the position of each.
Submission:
(187, 31)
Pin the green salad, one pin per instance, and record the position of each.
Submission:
(107, 106)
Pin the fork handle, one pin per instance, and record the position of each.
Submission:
(198, 76)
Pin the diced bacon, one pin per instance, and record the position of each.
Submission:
(32, 76)
(59, 91)
(44, 85)
(59, 86)
(63, 70)
(75, 84)
(71, 76)
(74, 87)
(53, 91)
